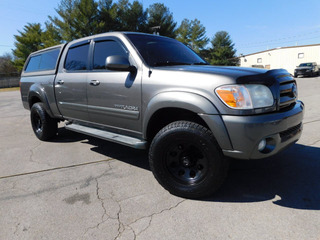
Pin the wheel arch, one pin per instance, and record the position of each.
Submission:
(168, 107)
(38, 94)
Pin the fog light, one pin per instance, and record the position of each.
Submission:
(262, 145)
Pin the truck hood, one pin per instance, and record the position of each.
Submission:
(234, 72)
(301, 68)
(240, 75)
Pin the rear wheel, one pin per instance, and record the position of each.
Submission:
(44, 127)
(187, 161)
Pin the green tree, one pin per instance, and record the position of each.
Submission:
(159, 15)
(51, 36)
(65, 23)
(222, 51)
(136, 18)
(127, 16)
(77, 18)
(193, 34)
(26, 42)
(107, 16)
(183, 32)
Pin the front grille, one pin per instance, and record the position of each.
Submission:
(288, 91)
(302, 71)
(289, 133)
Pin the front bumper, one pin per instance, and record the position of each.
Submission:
(304, 73)
(280, 130)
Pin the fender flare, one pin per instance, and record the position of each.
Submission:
(191, 102)
(183, 100)
(36, 90)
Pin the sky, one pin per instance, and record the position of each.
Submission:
(252, 25)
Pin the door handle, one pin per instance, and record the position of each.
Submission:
(60, 82)
(94, 82)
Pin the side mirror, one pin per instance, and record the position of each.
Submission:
(119, 63)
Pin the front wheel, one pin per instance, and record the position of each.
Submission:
(187, 161)
(44, 127)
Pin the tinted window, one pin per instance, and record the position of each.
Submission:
(162, 51)
(77, 58)
(102, 50)
(49, 60)
(33, 64)
(44, 61)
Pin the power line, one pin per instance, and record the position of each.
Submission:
(275, 41)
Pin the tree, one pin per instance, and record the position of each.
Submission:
(107, 16)
(222, 51)
(136, 18)
(51, 36)
(193, 34)
(28, 41)
(65, 24)
(125, 16)
(7, 65)
(159, 15)
(77, 18)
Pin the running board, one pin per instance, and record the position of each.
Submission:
(109, 136)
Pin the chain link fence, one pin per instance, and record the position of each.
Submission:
(8, 80)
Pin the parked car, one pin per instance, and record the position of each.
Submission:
(310, 69)
(153, 92)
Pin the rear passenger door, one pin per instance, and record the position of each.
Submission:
(71, 82)
(114, 97)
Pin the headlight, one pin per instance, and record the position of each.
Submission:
(247, 96)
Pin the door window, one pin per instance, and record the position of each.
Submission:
(104, 49)
(77, 58)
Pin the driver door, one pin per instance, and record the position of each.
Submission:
(114, 97)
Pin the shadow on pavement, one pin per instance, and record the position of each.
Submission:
(291, 178)
(138, 158)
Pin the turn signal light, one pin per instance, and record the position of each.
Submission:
(228, 97)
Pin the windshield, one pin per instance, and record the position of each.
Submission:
(162, 51)
(305, 65)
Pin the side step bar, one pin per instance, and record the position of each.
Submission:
(109, 136)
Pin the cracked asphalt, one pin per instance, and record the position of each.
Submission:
(78, 187)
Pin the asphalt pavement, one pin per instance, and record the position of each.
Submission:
(79, 187)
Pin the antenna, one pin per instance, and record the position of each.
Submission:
(155, 30)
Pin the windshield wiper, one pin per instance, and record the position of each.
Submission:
(168, 63)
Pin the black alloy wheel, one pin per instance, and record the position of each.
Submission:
(44, 127)
(187, 161)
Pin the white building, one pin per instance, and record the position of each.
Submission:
(284, 57)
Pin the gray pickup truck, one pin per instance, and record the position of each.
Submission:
(152, 92)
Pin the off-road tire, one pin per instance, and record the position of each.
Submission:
(187, 161)
(44, 127)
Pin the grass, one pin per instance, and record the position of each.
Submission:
(9, 89)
